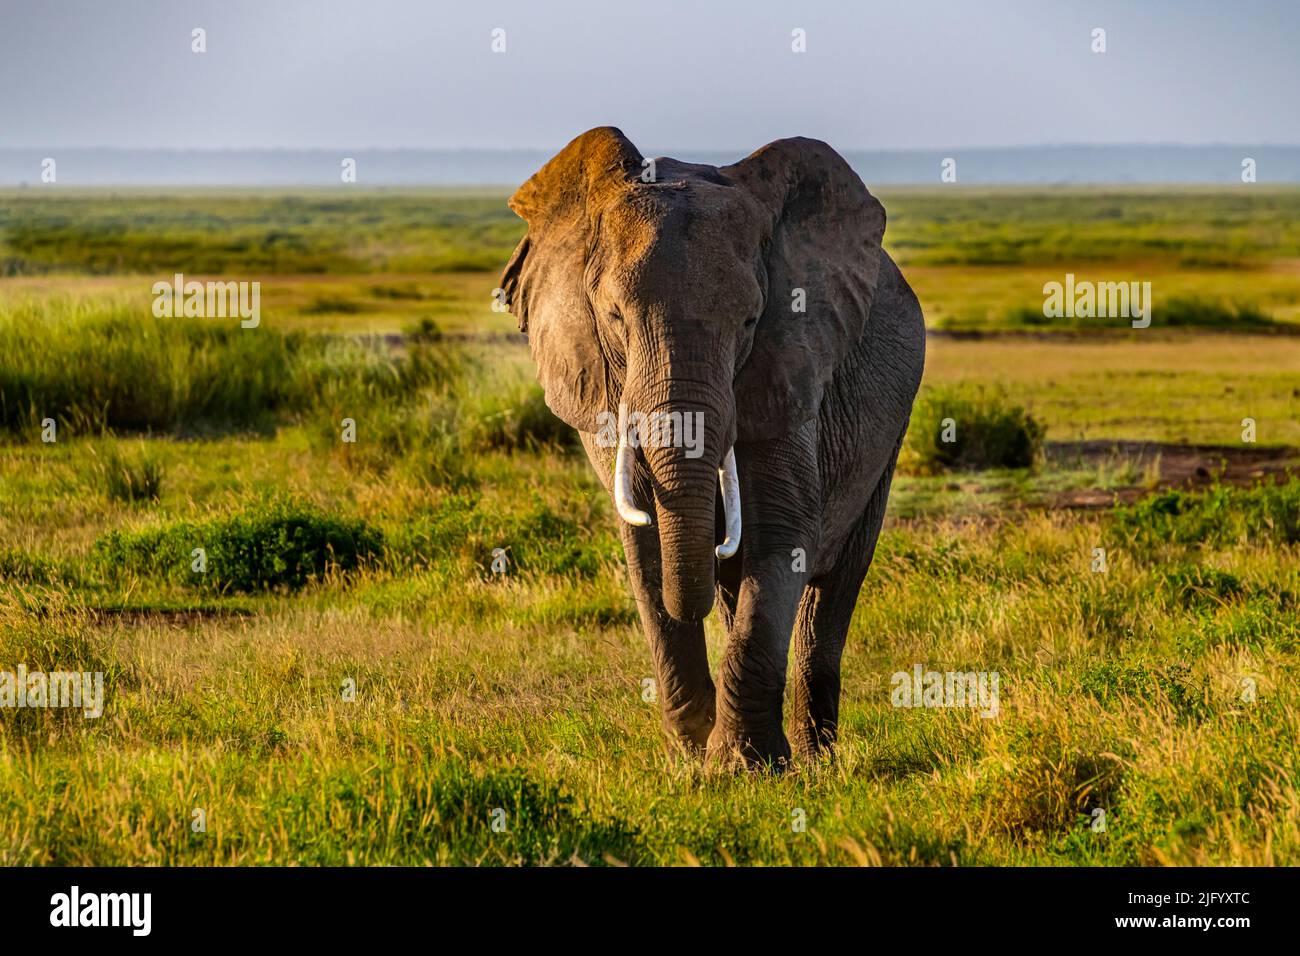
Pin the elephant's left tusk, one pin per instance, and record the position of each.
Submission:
(729, 478)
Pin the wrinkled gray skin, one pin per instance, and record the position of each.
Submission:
(678, 295)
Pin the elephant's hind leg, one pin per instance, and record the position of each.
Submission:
(822, 627)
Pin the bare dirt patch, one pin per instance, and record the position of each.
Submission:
(1168, 465)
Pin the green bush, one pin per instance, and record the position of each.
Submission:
(1197, 586)
(1176, 312)
(1219, 515)
(1191, 311)
(1141, 680)
(280, 545)
(986, 431)
(423, 329)
(332, 305)
(351, 377)
(397, 293)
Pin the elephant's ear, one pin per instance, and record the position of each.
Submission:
(544, 283)
(822, 261)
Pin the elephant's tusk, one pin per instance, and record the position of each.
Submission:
(729, 478)
(627, 509)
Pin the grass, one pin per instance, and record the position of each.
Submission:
(403, 639)
(130, 477)
(91, 369)
(315, 232)
(1119, 692)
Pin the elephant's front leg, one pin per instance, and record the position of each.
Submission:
(779, 503)
(683, 684)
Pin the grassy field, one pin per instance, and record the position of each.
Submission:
(348, 679)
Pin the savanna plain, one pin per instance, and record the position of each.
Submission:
(391, 639)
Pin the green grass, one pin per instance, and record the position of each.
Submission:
(132, 477)
(221, 233)
(418, 231)
(1120, 690)
(1190, 228)
(93, 368)
(458, 565)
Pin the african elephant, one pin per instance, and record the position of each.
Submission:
(755, 300)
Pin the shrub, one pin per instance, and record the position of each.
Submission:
(331, 305)
(1029, 316)
(1184, 311)
(1142, 680)
(423, 329)
(281, 544)
(986, 431)
(1177, 312)
(344, 376)
(398, 293)
(442, 435)
(1218, 515)
(1198, 586)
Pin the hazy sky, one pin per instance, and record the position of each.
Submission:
(694, 74)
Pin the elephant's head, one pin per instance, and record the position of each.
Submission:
(731, 292)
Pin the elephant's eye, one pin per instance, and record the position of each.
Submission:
(751, 322)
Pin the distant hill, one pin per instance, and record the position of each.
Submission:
(412, 167)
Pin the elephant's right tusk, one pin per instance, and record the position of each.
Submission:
(627, 509)
(729, 478)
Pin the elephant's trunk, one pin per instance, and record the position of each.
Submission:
(685, 494)
(680, 433)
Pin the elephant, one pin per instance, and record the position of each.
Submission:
(756, 301)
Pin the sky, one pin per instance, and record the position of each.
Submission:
(701, 74)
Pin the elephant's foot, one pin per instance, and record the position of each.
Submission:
(813, 730)
(734, 748)
(813, 742)
(690, 725)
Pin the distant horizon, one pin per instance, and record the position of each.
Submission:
(1133, 144)
(1048, 164)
